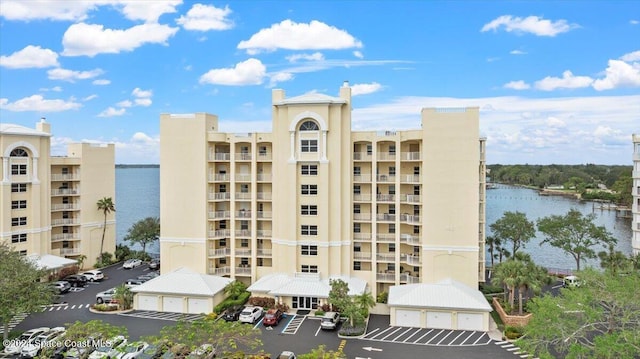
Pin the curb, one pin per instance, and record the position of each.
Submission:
(110, 312)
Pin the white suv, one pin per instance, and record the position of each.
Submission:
(330, 320)
(93, 275)
(251, 314)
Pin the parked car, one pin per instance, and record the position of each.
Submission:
(273, 317)
(76, 280)
(153, 351)
(111, 349)
(106, 296)
(286, 355)
(250, 315)
(132, 263)
(570, 281)
(154, 264)
(232, 313)
(175, 351)
(132, 350)
(330, 320)
(133, 282)
(149, 275)
(94, 275)
(35, 346)
(205, 351)
(16, 346)
(61, 286)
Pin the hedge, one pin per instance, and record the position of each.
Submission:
(230, 302)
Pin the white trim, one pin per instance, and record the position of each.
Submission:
(183, 240)
(447, 249)
(28, 230)
(308, 114)
(12, 146)
(294, 243)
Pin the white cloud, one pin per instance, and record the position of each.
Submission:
(54, 89)
(555, 122)
(112, 112)
(634, 22)
(101, 82)
(89, 40)
(567, 81)
(279, 77)
(619, 74)
(46, 9)
(493, 59)
(517, 85)
(630, 57)
(206, 17)
(530, 24)
(140, 148)
(364, 89)
(316, 56)
(137, 92)
(148, 11)
(290, 35)
(30, 57)
(517, 52)
(125, 103)
(146, 102)
(37, 103)
(249, 72)
(72, 76)
(90, 97)
(358, 54)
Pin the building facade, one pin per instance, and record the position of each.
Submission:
(48, 203)
(312, 198)
(635, 189)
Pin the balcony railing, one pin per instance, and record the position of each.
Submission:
(409, 279)
(243, 177)
(242, 252)
(221, 156)
(242, 156)
(362, 197)
(362, 216)
(409, 218)
(65, 237)
(64, 221)
(410, 259)
(243, 195)
(222, 271)
(265, 252)
(386, 156)
(386, 217)
(409, 239)
(386, 237)
(264, 195)
(243, 270)
(70, 251)
(362, 178)
(362, 256)
(243, 233)
(410, 178)
(410, 156)
(219, 215)
(243, 214)
(386, 197)
(264, 177)
(385, 277)
(64, 192)
(264, 156)
(386, 178)
(362, 156)
(219, 252)
(362, 237)
(220, 177)
(265, 214)
(219, 196)
(412, 198)
(65, 177)
(264, 233)
(386, 257)
(65, 206)
(220, 233)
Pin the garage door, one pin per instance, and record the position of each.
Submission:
(147, 302)
(471, 321)
(198, 305)
(439, 320)
(172, 304)
(408, 318)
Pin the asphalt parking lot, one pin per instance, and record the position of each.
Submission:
(299, 334)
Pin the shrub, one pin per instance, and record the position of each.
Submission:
(104, 260)
(382, 297)
(230, 302)
(512, 332)
(326, 307)
(104, 307)
(350, 331)
(211, 316)
(67, 271)
(491, 289)
(283, 307)
(264, 302)
(319, 313)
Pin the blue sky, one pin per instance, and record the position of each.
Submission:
(556, 81)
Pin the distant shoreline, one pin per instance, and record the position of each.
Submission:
(137, 166)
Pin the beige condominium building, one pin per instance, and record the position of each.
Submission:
(313, 200)
(635, 208)
(48, 203)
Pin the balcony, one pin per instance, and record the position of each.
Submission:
(408, 218)
(265, 252)
(220, 233)
(362, 156)
(219, 177)
(243, 214)
(358, 197)
(65, 177)
(385, 217)
(386, 156)
(410, 259)
(410, 179)
(243, 177)
(410, 156)
(222, 271)
(243, 233)
(410, 198)
(409, 279)
(264, 177)
(65, 206)
(73, 251)
(243, 195)
(264, 196)
(242, 156)
(242, 252)
(243, 270)
(219, 252)
(385, 277)
(64, 192)
(264, 156)
(386, 237)
(264, 215)
(264, 233)
(220, 215)
(220, 156)
(386, 178)
(65, 237)
(386, 257)
(385, 197)
(64, 221)
(362, 237)
(409, 239)
(359, 256)
(362, 216)
(361, 178)
(217, 196)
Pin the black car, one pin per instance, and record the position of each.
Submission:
(233, 313)
(154, 264)
(76, 280)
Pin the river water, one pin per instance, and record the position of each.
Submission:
(138, 197)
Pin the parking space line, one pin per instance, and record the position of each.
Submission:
(435, 336)
(424, 335)
(469, 337)
(483, 335)
(405, 332)
(381, 333)
(414, 333)
(445, 337)
(371, 332)
(393, 332)
(456, 338)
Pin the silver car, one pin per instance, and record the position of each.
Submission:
(106, 296)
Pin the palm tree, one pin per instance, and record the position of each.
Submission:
(364, 301)
(124, 297)
(613, 260)
(508, 275)
(107, 206)
(235, 288)
(530, 277)
(493, 243)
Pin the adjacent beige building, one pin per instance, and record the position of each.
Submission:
(48, 203)
(313, 199)
(635, 208)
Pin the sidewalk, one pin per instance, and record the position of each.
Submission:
(494, 333)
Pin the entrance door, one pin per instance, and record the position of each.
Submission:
(304, 303)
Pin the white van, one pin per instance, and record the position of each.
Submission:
(570, 281)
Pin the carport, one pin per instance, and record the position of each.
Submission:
(447, 304)
(180, 291)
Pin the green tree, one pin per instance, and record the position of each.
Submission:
(364, 302)
(339, 298)
(143, 232)
(226, 337)
(614, 261)
(107, 206)
(513, 227)
(575, 234)
(92, 331)
(530, 277)
(493, 244)
(124, 297)
(321, 352)
(507, 274)
(21, 290)
(235, 288)
(624, 188)
(599, 319)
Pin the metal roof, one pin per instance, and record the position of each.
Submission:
(186, 282)
(446, 294)
(309, 286)
(13, 129)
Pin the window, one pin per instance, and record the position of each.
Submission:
(222, 261)
(416, 170)
(19, 152)
(392, 171)
(244, 188)
(19, 221)
(392, 247)
(309, 210)
(309, 146)
(222, 225)
(392, 209)
(65, 229)
(357, 265)
(416, 190)
(18, 238)
(244, 262)
(308, 250)
(309, 126)
(223, 242)
(259, 262)
(65, 215)
(64, 170)
(356, 189)
(356, 208)
(392, 149)
(391, 267)
(262, 150)
(244, 225)
(357, 171)
(23, 252)
(18, 169)
(309, 269)
(18, 187)
(309, 189)
(356, 228)
(416, 269)
(244, 149)
(19, 204)
(392, 189)
(416, 229)
(416, 250)
(369, 149)
(223, 188)
(392, 228)
(244, 243)
(309, 170)
(308, 230)
(357, 247)
(416, 210)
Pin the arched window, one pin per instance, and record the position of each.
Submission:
(19, 152)
(309, 126)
